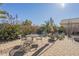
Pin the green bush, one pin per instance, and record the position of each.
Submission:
(61, 36)
(25, 30)
(9, 32)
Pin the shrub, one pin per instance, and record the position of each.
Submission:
(9, 32)
(25, 30)
(61, 36)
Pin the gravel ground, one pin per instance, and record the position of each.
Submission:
(66, 47)
(5, 48)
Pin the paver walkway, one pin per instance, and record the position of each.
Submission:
(66, 47)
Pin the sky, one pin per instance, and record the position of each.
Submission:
(38, 13)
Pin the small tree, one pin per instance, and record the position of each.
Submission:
(49, 26)
(61, 29)
(27, 22)
(26, 27)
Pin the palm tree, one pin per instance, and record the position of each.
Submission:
(49, 26)
(6, 17)
(27, 22)
(3, 14)
(61, 29)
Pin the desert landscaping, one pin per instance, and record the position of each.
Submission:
(65, 47)
(43, 31)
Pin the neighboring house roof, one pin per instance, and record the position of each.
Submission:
(72, 21)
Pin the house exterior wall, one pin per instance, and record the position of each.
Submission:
(70, 25)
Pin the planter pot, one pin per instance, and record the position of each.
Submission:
(19, 53)
(16, 52)
(51, 40)
(34, 46)
(76, 39)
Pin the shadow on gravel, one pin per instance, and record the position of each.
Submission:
(19, 53)
(38, 51)
(76, 39)
(51, 41)
(16, 47)
(16, 52)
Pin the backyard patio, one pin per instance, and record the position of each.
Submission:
(60, 48)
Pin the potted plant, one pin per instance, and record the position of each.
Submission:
(52, 39)
(61, 36)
